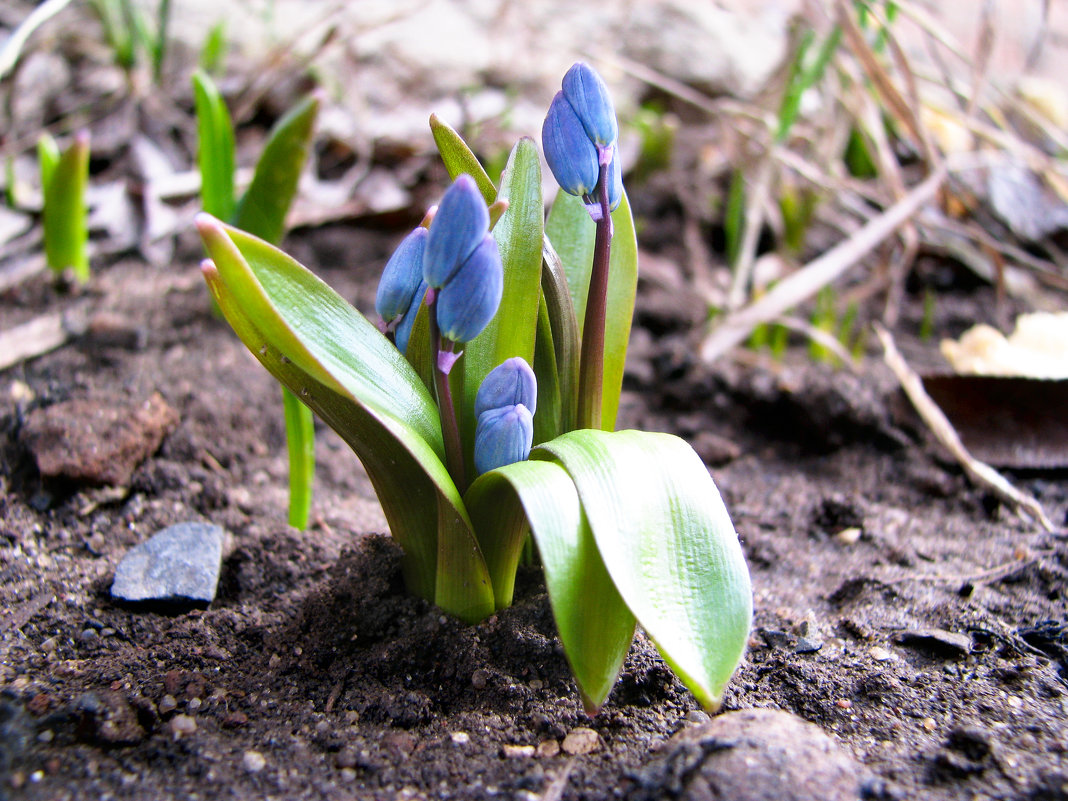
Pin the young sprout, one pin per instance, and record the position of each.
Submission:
(64, 177)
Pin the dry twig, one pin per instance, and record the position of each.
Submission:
(979, 472)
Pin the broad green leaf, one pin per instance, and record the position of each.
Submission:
(572, 233)
(329, 355)
(669, 546)
(519, 235)
(300, 442)
(594, 624)
(459, 159)
(262, 210)
(215, 148)
(66, 226)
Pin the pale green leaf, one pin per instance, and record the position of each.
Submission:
(594, 624)
(65, 215)
(300, 443)
(669, 546)
(215, 148)
(262, 210)
(572, 234)
(459, 159)
(339, 364)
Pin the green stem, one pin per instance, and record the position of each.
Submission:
(591, 358)
(300, 441)
(450, 430)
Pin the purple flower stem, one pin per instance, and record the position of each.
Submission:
(450, 430)
(591, 357)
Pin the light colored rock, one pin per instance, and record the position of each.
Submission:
(581, 741)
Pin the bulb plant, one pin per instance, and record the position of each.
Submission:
(483, 404)
(64, 179)
(261, 211)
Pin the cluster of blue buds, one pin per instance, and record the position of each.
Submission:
(504, 407)
(457, 259)
(579, 137)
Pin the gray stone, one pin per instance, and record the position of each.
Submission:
(179, 563)
(753, 755)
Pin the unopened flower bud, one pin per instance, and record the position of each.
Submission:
(458, 227)
(401, 276)
(467, 303)
(510, 383)
(588, 96)
(569, 152)
(407, 322)
(579, 135)
(503, 436)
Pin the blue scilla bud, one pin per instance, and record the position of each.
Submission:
(407, 322)
(510, 383)
(588, 96)
(615, 181)
(401, 276)
(467, 303)
(569, 151)
(503, 436)
(459, 226)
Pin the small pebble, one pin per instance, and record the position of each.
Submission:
(479, 679)
(581, 741)
(46, 736)
(844, 703)
(253, 761)
(517, 751)
(848, 536)
(348, 775)
(928, 724)
(460, 737)
(880, 654)
(182, 725)
(167, 703)
(179, 563)
(547, 748)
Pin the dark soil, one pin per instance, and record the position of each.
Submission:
(932, 646)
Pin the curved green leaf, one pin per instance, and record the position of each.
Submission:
(669, 546)
(557, 371)
(572, 234)
(215, 148)
(594, 624)
(262, 210)
(329, 355)
(459, 159)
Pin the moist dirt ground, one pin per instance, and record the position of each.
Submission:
(908, 615)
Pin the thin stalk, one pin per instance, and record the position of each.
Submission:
(300, 441)
(450, 430)
(591, 357)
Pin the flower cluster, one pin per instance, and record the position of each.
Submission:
(456, 259)
(579, 138)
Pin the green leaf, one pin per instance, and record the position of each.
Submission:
(300, 441)
(669, 546)
(215, 148)
(572, 233)
(511, 332)
(48, 156)
(262, 210)
(353, 378)
(66, 226)
(557, 371)
(459, 159)
(594, 624)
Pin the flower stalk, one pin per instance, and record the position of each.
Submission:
(591, 358)
(450, 430)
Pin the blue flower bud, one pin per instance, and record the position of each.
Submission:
(615, 181)
(401, 276)
(588, 96)
(503, 436)
(407, 322)
(467, 303)
(459, 226)
(510, 383)
(569, 151)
